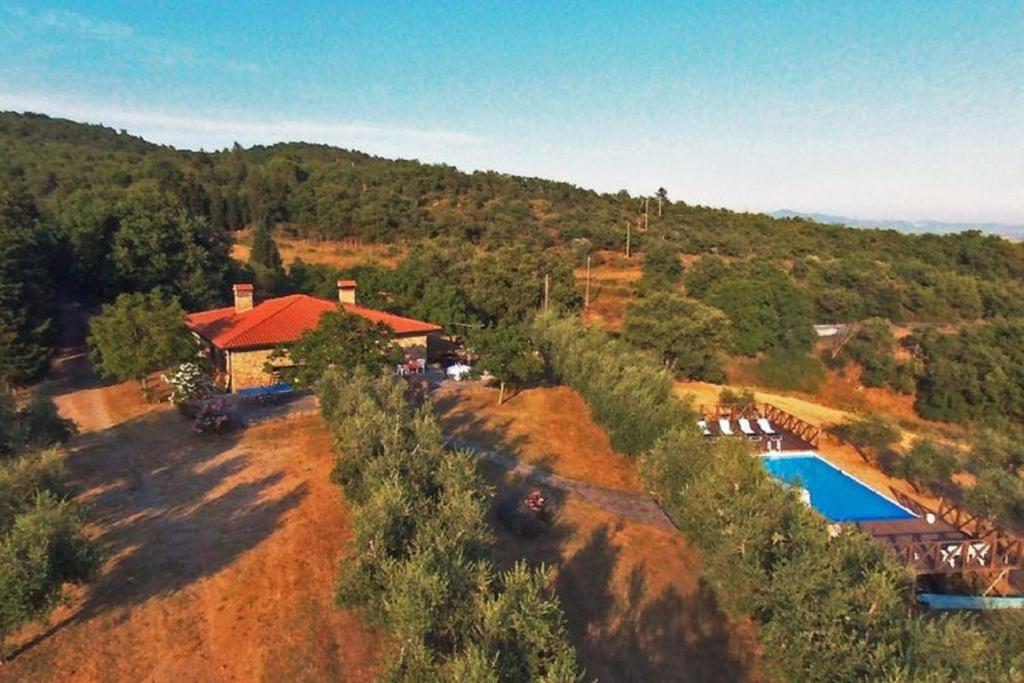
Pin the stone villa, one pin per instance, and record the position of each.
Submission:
(240, 338)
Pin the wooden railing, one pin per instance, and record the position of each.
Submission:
(778, 417)
(989, 548)
(995, 553)
(969, 523)
(733, 412)
(792, 424)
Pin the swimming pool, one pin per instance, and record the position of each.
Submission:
(834, 493)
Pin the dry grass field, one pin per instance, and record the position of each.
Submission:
(549, 427)
(221, 555)
(330, 253)
(612, 287)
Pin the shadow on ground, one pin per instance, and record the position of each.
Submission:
(171, 507)
(638, 634)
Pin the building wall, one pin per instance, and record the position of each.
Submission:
(414, 346)
(246, 368)
(420, 346)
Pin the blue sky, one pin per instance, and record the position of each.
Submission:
(870, 109)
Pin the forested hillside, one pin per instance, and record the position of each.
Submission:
(96, 212)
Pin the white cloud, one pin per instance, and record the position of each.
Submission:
(72, 22)
(159, 51)
(218, 130)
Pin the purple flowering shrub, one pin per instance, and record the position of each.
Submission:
(211, 415)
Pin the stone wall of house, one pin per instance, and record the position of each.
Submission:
(246, 368)
(414, 346)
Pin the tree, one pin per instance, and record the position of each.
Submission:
(662, 195)
(340, 340)
(506, 285)
(686, 334)
(265, 261)
(872, 433)
(159, 244)
(766, 306)
(662, 268)
(140, 334)
(264, 249)
(505, 352)
(928, 464)
(27, 301)
(996, 494)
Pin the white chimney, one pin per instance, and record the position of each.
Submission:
(243, 298)
(347, 291)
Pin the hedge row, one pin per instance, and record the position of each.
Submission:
(628, 391)
(832, 604)
(421, 563)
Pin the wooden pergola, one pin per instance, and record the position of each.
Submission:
(953, 542)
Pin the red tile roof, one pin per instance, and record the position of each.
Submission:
(283, 320)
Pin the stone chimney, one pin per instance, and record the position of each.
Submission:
(243, 298)
(347, 291)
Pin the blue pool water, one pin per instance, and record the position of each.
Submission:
(835, 494)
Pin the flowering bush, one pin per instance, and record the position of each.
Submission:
(211, 416)
(188, 383)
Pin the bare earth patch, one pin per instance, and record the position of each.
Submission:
(222, 557)
(545, 426)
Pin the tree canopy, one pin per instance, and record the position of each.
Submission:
(138, 335)
(340, 340)
(505, 352)
(685, 333)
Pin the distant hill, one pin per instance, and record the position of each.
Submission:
(1010, 230)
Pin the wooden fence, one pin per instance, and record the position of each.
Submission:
(792, 424)
(969, 523)
(996, 553)
(778, 417)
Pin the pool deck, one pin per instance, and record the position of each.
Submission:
(906, 530)
(790, 441)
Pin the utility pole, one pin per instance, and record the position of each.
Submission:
(627, 238)
(586, 298)
(547, 290)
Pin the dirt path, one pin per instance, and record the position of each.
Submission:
(221, 552)
(636, 507)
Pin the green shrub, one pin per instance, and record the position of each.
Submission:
(732, 398)
(43, 549)
(790, 371)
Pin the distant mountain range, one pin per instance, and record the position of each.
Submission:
(1008, 230)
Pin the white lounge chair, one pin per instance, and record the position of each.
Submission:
(724, 427)
(703, 425)
(746, 428)
(978, 553)
(951, 554)
(765, 425)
